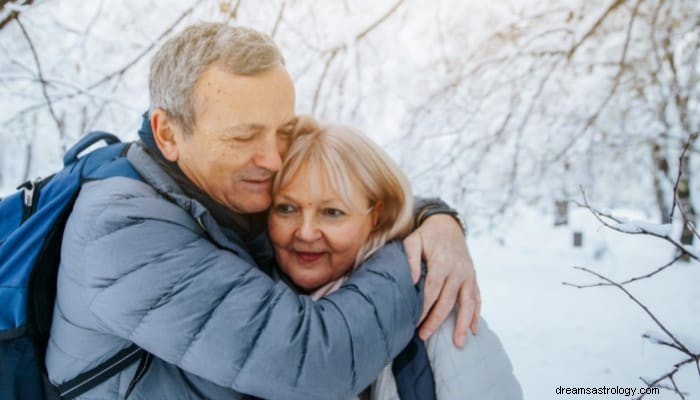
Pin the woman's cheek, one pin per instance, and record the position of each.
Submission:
(278, 237)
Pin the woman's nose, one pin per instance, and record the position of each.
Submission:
(308, 230)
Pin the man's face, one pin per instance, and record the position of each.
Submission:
(243, 126)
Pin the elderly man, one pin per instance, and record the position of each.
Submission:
(171, 263)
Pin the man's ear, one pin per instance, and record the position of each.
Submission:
(166, 134)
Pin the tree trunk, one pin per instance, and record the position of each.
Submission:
(685, 201)
(660, 171)
(561, 212)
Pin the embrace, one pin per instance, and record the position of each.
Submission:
(263, 254)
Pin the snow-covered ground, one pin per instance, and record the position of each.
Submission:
(559, 335)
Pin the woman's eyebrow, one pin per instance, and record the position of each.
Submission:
(288, 198)
(320, 202)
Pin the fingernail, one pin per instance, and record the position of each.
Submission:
(460, 341)
(425, 334)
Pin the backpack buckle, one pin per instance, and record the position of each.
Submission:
(28, 188)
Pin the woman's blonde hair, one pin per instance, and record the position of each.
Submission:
(347, 158)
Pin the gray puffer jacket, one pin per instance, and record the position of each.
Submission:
(143, 263)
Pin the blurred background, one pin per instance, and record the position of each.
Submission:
(566, 132)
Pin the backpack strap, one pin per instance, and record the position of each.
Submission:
(412, 371)
(105, 163)
(88, 140)
(94, 377)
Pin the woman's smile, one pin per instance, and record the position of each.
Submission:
(308, 257)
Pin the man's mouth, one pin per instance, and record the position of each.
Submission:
(259, 182)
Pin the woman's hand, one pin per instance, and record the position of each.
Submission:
(451, 278)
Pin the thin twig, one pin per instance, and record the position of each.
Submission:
(636, 278)
(616, 80)
(638, 231)
(595, 26)
(676, 367)
(369, 29)
(280, 14)
(675, 387)
(42, 80)
(333, 52)
(378, 22)
(640, 304)
(147, 49)
(662, 342)
(321, 79)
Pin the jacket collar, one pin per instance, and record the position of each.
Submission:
(163, 183)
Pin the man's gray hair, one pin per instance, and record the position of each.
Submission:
(182, 60)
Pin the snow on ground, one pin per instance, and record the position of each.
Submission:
(558, 335)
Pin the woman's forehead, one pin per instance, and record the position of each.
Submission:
(311, 183)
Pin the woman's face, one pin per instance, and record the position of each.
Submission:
(315, 235)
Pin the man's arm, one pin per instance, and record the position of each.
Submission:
(440, 240)
(166, 287)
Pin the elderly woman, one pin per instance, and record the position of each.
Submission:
(337, 199)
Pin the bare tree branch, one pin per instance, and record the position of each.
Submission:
(147, 49)
(651, 315)
(601, 217)
(637, 278)
(319, 85)
(661, 342)
(616, 80)
(595, 26)
(675, 387)
(378, 22)
(669, 375)
(13, 14)
(280, 14)
(332, 53)
(59, 124)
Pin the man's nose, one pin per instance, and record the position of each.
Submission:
(268, 156)
(309, 230)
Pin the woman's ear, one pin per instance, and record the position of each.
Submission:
(165, 134)
(376, 212)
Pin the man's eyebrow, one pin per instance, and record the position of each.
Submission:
(290, 123)
(242, 128)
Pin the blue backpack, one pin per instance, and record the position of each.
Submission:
(31, 229)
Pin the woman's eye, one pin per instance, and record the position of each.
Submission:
(284, 209)
(285, 133)
(333, 212)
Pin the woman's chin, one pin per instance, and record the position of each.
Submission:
(312, 287)
(305, 281)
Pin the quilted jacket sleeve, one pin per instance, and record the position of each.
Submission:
(158, 281)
